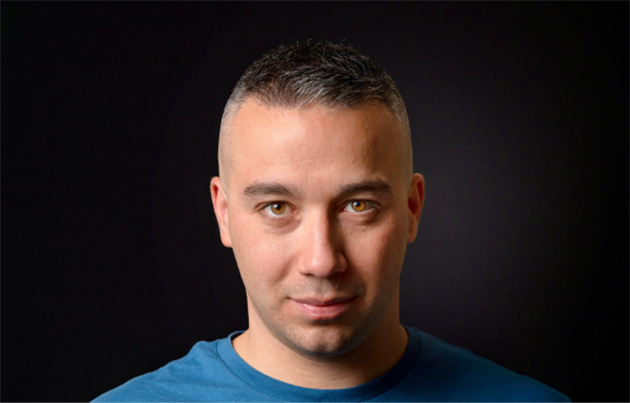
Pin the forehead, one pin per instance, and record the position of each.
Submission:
(313, 144)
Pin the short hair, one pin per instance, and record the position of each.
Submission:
(322, 73)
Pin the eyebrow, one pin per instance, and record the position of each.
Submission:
(377, 187)
(279, 189)
(271, 188)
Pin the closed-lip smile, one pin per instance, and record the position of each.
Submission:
(323, 309)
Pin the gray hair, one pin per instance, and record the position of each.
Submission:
(325, 74)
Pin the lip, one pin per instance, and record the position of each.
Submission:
(317, 309)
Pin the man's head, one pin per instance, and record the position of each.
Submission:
(317, 197)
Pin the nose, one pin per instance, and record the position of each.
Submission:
(321, 247)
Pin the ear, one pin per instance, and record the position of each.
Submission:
(415, 200)
(220, 203)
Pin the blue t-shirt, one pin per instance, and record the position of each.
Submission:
(429, 370)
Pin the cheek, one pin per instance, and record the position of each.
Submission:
(261, 258)
(378, 253)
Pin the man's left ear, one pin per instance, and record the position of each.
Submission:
(415, 200)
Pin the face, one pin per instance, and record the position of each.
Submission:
(318, 207)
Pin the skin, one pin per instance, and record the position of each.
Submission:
(319, 206)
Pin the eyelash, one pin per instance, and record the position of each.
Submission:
(267, 208)
(369, 205)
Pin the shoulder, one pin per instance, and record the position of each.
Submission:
(454, 373)
(190, 374)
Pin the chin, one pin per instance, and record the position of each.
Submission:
(323, 341)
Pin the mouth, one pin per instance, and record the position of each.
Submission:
(317, 309)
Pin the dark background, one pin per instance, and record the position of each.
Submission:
(112, 259)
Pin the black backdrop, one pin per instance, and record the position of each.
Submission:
(112, 260)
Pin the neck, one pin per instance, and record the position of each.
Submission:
(373, 357)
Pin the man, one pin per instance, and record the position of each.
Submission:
(318, 200)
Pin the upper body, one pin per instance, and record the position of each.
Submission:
(317, 198)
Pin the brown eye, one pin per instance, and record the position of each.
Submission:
(358, 205)
(277, 208)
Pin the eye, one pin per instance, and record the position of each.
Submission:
(357, 206)
(276, 208)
